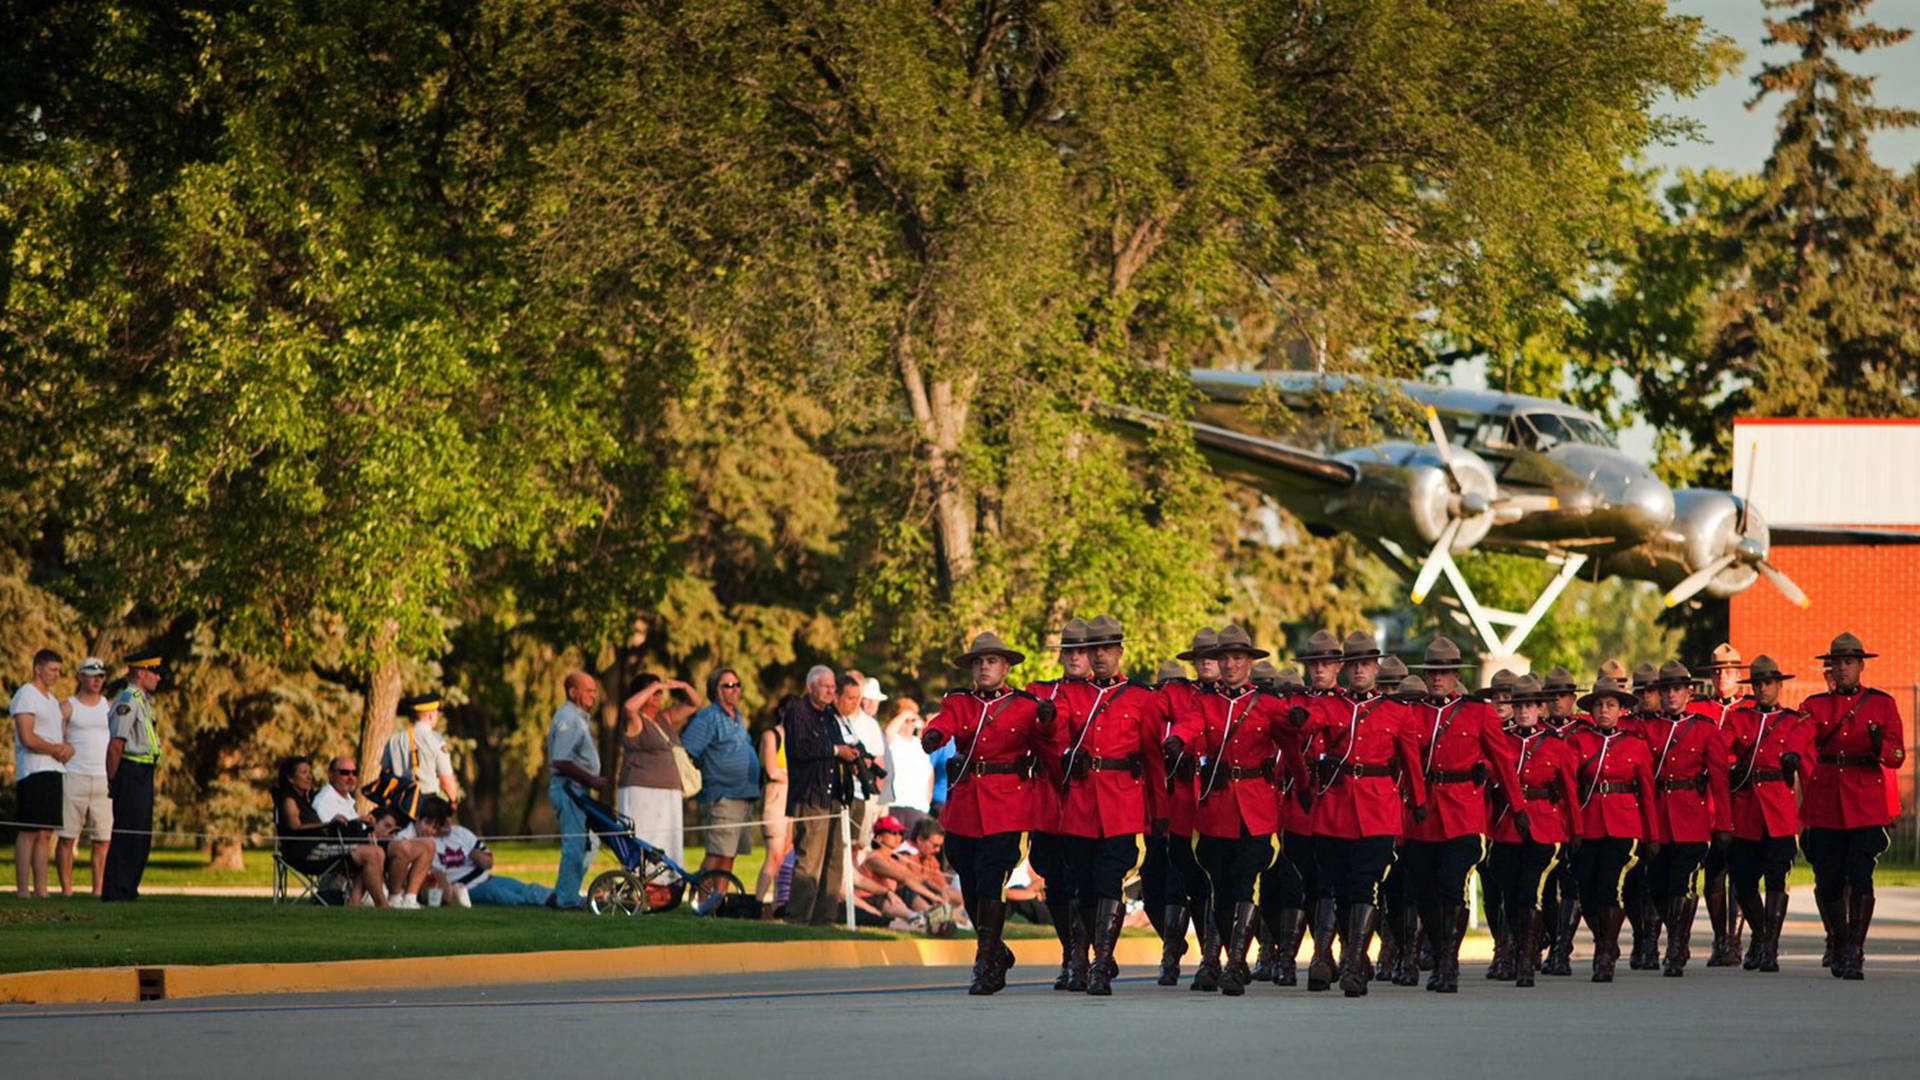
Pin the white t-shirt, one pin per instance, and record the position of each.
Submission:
(87, 734)
(909, 774)
(329, 803)
(453, 856)
(46, 724)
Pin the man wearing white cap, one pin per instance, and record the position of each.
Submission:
(84, 790)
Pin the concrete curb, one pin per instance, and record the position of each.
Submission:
(175, 981)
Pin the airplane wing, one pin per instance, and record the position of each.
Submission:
(1814, 535)
(1250, 457)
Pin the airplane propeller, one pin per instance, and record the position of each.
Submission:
(1466, 504)
(1745, 550)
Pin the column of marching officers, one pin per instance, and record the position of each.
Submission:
(1261, 807)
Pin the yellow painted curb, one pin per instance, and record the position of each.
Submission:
(639, 961)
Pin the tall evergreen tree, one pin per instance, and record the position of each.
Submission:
(1823, 313)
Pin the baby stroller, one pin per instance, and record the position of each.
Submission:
(648, 881)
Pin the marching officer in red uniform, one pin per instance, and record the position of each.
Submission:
(1547, 772)
(1287, 885)
(1498, 694)
(1186, 892)
(1694, 807)
(1856, 736)
(998, 736)
(1723, 676)
(1641, 910)
(1322, 659)
(1461, 751)
(1356, 738)
(1109, 750)
(1561, 897)
(1768, 742)
(1238, 733)
(1046, 848)
(1616, 806)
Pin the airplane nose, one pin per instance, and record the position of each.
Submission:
(1643, 501)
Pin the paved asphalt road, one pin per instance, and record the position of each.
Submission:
(1712, 1023)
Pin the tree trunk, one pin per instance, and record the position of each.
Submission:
(376, 724)
(940, 408)
(225, 854)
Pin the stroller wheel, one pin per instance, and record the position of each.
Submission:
(615, 893)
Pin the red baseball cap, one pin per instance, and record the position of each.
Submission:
(889, 824)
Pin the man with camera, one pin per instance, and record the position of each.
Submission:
(817, 788)
(866, 771)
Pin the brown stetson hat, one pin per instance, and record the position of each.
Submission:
(1765, 667)
(1104, 630)
(1321, 646)
(1074, 634)
(1559, 681)
(1290, 679)
(1646, 677)
(1605, 687)
(1528, 688)
(1674, 673)
(1204, 639)
(1168, 671)
(1615, 670)
(988, 643)
(1411, 688)
(1233, 639)
(1265, 675)
(1505, 679)
(1846, 647)
(1724, 656)
(1392, 670)
(1360, 645)
(1442, 655)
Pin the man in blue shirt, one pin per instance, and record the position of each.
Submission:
(716, 739)
(939, 758)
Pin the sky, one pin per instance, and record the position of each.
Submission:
(1737, 138)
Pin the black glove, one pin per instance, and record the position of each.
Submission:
(1789, 764)
(1653, 848)
(1873, 738)
(1297, 715)
(1524, 824)
(1045, 712)
(1573, 846)
(1305, 794)
(1721, 840)
(1420, 812)
(1171, 750)
(1157, 827)
(930, 740)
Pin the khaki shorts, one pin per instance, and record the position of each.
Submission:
(86, 803)
(728, 837)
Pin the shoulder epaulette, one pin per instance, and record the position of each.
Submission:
(1024, 694)
(957, 690)
(1875, 690)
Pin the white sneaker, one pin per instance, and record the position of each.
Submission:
(366, 900)
(408, 902)
(459, 896)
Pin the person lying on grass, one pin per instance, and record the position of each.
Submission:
(464, 866)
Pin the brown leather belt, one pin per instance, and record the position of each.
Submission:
(1759, 775)
(1550, 792)
(1018, 767)
(1618, 787)
(1856, 760)
(1452, 776)
(1246, 772)
(1691, 783)
(1115, 764)
(1358, 771)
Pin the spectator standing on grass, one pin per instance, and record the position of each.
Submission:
(717, 740)
(133, 756)
(909, 786)
(39, 763)
(574, 761)
(417, 752)
(465, 866)
(650, 724)
(334, 802)
(773, 809)
(858, 728)
(86, 804)
(815, 792)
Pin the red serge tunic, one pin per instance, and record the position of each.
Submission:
(1242, 732)
(1183, 711)
(1549, 776)
(1849, 788)
(1289, 785)
(1112, 735)
(1616, 784)
(1762, 802)
(1358, 743)
(1690, 759)
(1046, 774)
(996, 740)
(1461, 749)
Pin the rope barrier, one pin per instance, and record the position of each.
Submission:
(269, 831)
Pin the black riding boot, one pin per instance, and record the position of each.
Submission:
(1173, 943)
(1776, 918)
(1680, 913)
(1291, 926)
(1320, 971)
(1859, 921)
(1107, 917)
(1353, 949)
(1065, 925)
(990, 917)
(1234, 977)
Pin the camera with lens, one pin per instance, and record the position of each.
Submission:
(868, 770)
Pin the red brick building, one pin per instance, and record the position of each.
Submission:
(1836, 472)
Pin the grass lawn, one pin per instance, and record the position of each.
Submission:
(36, 935)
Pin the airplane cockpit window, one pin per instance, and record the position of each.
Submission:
(1544, 430)
(1494, 433)
(1549, 430)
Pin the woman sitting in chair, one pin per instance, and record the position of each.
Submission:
(312, 846)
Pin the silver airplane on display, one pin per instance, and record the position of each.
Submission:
(1497, 472)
